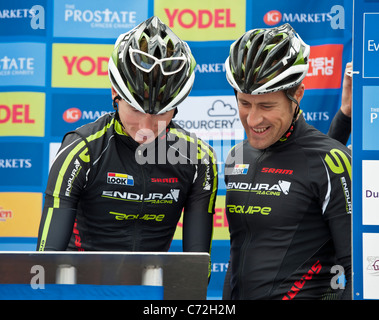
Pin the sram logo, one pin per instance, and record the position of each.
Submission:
(277, 171)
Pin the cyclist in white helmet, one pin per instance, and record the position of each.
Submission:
(288, 201)
(100, 194)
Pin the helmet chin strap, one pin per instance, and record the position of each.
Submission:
(295, 115)
(115, 106)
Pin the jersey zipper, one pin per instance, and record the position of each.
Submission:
(249, 233)
(136, 235)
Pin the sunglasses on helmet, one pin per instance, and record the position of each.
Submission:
(146, 62)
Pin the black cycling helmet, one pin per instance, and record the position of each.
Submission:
(151, 68)
(267, 60)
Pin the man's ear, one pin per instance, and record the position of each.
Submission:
(299, 94)
(114, 93)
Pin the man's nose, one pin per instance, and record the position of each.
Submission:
(254, 116)
(147, 122)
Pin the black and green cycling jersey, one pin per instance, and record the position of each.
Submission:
(107, 192)
(289, 213)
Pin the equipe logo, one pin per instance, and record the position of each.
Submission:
(195, 21)
(23, 115)
(80, 65)
(249, 209)
(145, 216)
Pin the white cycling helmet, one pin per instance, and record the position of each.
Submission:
(151, 68)
(267, 60)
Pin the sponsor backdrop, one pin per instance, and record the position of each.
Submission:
(366, 150)
(53, 78)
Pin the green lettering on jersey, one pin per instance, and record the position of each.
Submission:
(335, 164)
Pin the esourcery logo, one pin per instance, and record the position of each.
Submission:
(325, 67)
(80, 65)
(22, 114)
(200, 21)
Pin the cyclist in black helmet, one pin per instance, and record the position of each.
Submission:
(288, 199)
(121, 183)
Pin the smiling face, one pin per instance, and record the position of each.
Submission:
(266, 117)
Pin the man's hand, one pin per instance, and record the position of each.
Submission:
(347, 90)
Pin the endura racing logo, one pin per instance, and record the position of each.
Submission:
(157, 198)
(73, 175)
(261, 188)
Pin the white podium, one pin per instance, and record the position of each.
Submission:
(184, 276)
